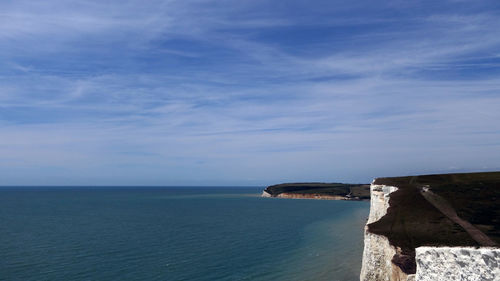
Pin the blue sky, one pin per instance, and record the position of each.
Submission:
(246, 92)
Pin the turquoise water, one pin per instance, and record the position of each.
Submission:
(176, 234)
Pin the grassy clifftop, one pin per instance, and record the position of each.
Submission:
(413, 219)
(354, 191)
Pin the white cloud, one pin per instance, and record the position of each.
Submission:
(80, 99)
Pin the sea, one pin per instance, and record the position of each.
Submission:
(176, 233)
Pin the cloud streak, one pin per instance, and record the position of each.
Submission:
(202, 92)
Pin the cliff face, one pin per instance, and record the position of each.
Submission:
(378, 253)
(309, 196)
(442, 248)
(266, 194)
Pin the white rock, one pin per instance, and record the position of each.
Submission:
(265, 194)
(378, 253)
(457, 263)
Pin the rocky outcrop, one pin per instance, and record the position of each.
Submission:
(379, 202)
(457, 263)
(378, 253)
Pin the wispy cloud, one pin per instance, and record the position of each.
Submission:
(225, 92)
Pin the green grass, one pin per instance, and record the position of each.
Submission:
(333, 189)
(412, 222)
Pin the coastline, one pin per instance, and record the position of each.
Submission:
(313, 196)
(319, 191)
(422, 228)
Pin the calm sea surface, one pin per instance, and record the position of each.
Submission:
(176, 234)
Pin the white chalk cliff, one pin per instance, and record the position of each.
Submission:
(266, 194)
(433, 263)
(378, 253)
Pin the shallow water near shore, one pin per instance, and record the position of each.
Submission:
(176, 234)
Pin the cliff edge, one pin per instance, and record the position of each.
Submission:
(433, 227)
(332, 191)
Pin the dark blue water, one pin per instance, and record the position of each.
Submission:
(177, 234)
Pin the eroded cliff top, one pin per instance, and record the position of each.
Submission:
(360, 191)
(440, 210)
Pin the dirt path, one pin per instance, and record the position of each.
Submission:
(444, 207)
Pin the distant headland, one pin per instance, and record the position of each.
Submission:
(316, 190)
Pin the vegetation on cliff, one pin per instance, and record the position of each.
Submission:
(348, 191)
(456, 209)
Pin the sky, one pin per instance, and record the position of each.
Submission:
(247, 92)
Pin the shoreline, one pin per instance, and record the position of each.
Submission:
(301, 196)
